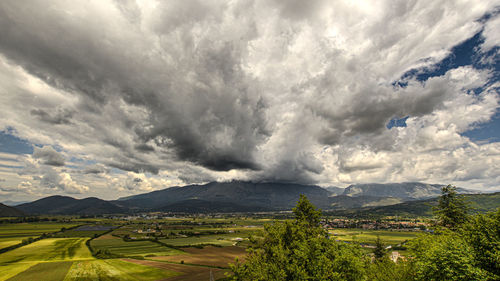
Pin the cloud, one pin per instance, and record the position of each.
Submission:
(195, 91)
(48, 156)
(60, 117)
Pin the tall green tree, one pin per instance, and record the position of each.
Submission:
(482, 233)
(446, 256)
(300, 250)
(379, 251)
(452, 209)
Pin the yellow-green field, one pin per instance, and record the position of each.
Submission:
(114, 269)
(9, 241)
(12, 234)
(369, 236)
(133, 248)
(69, 259)
(55, 249)
(216, 239)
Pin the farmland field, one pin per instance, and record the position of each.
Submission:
(31, 229)
(55, 249)
(46, 271)
(220, 239)
(209, 256)
(12, 234)
(114, 269)
(369, 236)
(9, 241)
(134, 248)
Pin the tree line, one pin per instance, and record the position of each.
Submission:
(461, 247)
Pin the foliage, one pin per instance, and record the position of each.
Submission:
(482, 233)
(452, 208)
(386, 270)
(300, 250)
(445, 256)
(379, 251)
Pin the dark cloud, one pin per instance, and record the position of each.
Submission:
(207, 108)
(48, 156)
(95, 169)
(59, 117)
(216, 90)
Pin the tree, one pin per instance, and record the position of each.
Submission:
(300, 250)
(446, 256)
(452, 209)
(482, 233)
(379, 252)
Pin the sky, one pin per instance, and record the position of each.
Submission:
(114, 98)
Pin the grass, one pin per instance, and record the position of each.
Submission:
(369, 236)
(30, 229)
(54, 249)
(47, 271)
(133, 248)
(216, 239)
(12, 234)
(9, 241)
(208, 256)
(114, 269)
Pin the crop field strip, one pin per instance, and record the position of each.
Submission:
(69, 259)
(52, 249)
(12, 234)
(369, 236)
(133, 248)
(216, 239)
(207, 256)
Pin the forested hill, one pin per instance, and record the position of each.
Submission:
(478, 203)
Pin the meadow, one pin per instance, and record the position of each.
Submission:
(156, 249)
(216, 239)
(364, 236)
(70, 259)
(120, 247)
(12, 234)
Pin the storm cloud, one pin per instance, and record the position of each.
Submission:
(289, 91)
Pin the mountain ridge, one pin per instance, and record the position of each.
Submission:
(237, 196)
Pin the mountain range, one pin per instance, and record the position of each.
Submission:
(8, 211)
(239, 196)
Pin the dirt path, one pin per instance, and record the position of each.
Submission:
(190, 272)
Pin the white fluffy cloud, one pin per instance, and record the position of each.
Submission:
(195, 91)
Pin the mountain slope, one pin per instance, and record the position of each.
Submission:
(348, 202)
(334, 190)
(7, 211)
(478, 202)
(405, 191)
(270, 196)
(64, 205)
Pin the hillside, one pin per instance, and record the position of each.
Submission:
(7, 211)
(202, 206)
(406, 191)
(348, 202)
(258, 196)
(64, 205)
(479, 203)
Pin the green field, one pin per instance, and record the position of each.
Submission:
(369, 236)
(133, 248)
(69, 259)
(54, 249)
(46, 271)
(12, 234)
(9, 241)
(216, 239)
(114, 269)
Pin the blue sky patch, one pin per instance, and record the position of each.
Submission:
(12, 144)
(397, 122)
